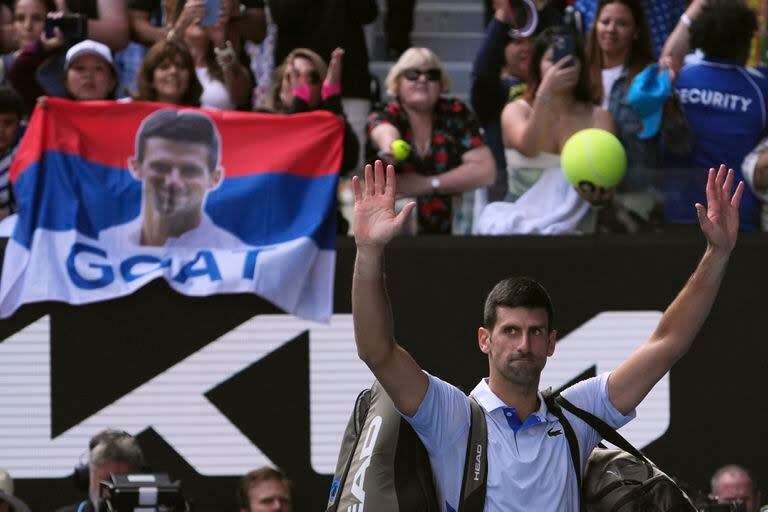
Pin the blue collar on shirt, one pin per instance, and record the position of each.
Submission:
(514, 422)
(491, 402)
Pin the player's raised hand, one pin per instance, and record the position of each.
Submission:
(375, 221)
(719, 221)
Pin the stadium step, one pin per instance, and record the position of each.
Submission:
(453, 29)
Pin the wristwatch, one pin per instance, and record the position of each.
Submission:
(435, 184)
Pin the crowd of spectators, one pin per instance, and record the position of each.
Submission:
(116, 452)
(268, 489)
(493, 168)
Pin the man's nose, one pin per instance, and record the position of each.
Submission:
(173, 178)
(525, 343)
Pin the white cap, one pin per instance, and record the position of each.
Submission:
(6, 482)
(89, 46)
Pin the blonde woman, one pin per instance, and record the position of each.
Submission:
(448, 160)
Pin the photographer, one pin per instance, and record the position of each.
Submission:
(110, 451)
(734, 485)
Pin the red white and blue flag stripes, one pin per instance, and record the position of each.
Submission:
(267, 227)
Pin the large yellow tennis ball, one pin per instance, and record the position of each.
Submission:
(401, 150)
(594, 156)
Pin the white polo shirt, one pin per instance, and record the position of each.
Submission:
(529, 464)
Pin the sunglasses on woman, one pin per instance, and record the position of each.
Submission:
(413, 74)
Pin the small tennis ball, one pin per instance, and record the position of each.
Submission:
(401, 150)
(593, 156)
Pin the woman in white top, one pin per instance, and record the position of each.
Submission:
(618, 48)
(534, 129)
(557, 104)
(225, 80)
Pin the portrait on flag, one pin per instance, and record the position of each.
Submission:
(112, 196)
(178, 161)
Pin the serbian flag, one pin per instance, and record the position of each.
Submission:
(114, 195)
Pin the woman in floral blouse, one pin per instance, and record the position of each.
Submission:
(448, 160)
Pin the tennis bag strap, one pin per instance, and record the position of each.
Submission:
(570, 436)
(473, 484)
(607, 432)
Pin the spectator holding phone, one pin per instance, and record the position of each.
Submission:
(25, 63)
(28, 24)
(498, 77)
(557, 104)
(448, 159)
(167, 75)
(225, 80)
(618, 48)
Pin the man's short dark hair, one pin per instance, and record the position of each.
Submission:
(180, 126)
(11, 102)
(257, 476)
(724, 30)
(517, 292)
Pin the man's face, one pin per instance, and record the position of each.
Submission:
(9, 130)
(517, 54)
(737, 487)
(269, 496)
(519, 344)
(102, 472)
(176, 176)
(90, 78)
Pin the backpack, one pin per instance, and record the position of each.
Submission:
(384, 467)
(617, 480)
(391, 471)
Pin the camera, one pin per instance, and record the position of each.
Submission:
(146, 492)
(73, 27)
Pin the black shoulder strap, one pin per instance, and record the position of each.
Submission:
(475, 478)
(570, 436)
(606, 431)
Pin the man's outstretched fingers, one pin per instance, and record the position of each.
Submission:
(391, 181)
(368, 180)
(357, 189)
(404, 213)
(378, 178)
(736, 199)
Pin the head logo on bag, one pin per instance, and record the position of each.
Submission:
(358, 491)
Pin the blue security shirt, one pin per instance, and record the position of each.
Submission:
(725, 105)
(529, 463)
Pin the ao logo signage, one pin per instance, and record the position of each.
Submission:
(174, 405)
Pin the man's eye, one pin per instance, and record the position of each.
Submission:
(190, 171)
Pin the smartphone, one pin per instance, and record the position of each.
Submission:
(71, 27)
(212, 13)
(563, 45)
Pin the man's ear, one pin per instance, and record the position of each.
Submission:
(484, 340)
(552, 342)
(216, 177)
(135, 167)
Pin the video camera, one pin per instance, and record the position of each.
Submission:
(712, 506)
(146, 492)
